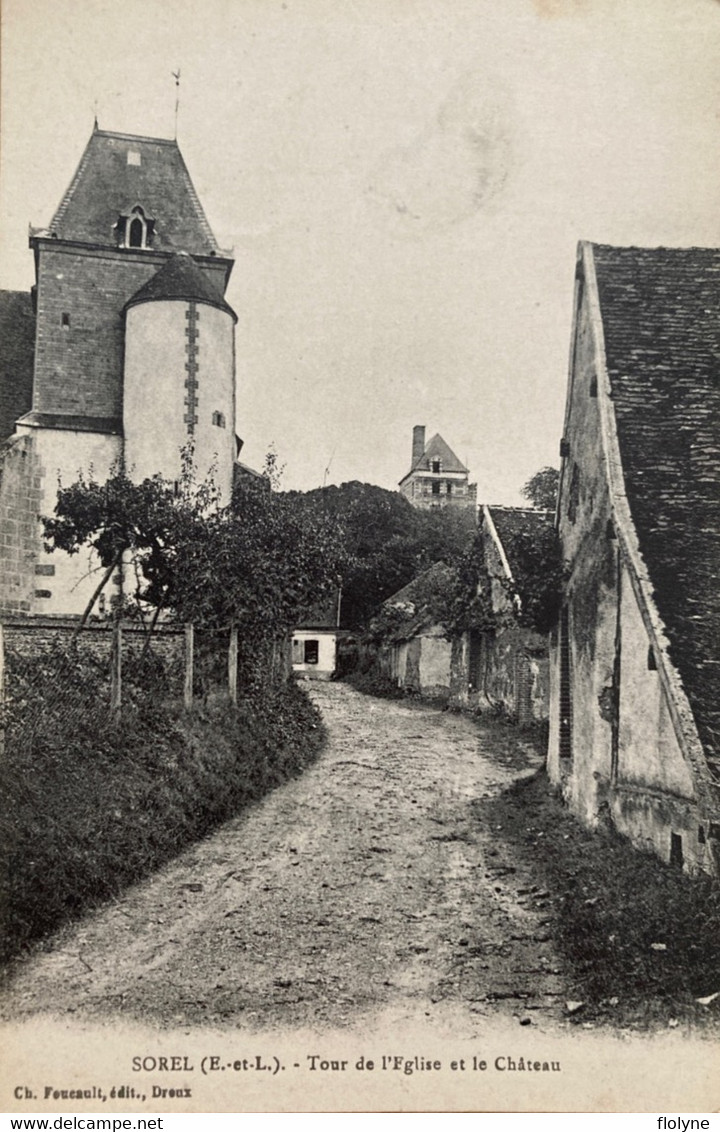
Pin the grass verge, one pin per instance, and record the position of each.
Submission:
(90, 804)
(641, 940)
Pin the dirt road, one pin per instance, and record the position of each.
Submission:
(368, 884)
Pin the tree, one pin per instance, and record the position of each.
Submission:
(258, 563)
(542, 488)
(387, 542)
(117, 517)
(538, 576)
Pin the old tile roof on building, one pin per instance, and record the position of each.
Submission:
(17, 352)
(410, 610)
(437, 449)
(322, 614)
(660, 311)
(181, 278)
(118, 172)
(516, 523)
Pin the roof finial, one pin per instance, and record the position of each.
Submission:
(176, 76)
(95, 109)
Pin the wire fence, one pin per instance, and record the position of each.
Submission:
(55, 678)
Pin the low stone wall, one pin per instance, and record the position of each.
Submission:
(33, 636)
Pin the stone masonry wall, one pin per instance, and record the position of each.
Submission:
(20, 543)
(79, 358)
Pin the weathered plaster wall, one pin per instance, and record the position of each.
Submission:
(158, 341)
(64, 583)
(648, 751)
(509, 667)
(654, 795)
(512, 674)
(626, 762)
(422, 664)
(591, 594)
(434, 666)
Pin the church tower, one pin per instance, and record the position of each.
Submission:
(134, 342)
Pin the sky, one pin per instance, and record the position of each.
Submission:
(402, 184)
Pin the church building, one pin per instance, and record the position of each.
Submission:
(122, 356)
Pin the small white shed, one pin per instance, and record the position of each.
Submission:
(314, 653)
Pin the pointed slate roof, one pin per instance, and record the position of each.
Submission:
(660, 310)
(17, 352)
(181, 278)
(437, 449)
(119, 171)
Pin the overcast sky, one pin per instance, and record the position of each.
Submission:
(403, 184)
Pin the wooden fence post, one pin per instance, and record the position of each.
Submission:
(233, 663)
(189, 658)
(116, 669)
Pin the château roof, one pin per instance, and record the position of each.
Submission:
(17, 352)
(181, 278)
(118, 172)
(660, 310)
(437, 449)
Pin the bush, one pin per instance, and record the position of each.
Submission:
(370, 679)
(91, 804)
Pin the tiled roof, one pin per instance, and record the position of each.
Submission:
(119, 171)
(661, 318)
(17, 351)
(180, 278)
(321, 615)
(516, 523)
(437, 449)
(411, 607)
(519, 531)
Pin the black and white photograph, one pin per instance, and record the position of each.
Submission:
(360, 556)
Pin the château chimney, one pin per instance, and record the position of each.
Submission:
(418, 446)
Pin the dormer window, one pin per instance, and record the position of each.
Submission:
(135, 230)
(435, 465)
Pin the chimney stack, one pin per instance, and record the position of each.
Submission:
(418, 443)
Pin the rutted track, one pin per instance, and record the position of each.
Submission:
(366, 885)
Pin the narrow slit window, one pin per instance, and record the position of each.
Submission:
(65, 319)
(218, 419)
(136, 233)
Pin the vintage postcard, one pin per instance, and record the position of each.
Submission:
(359, 548)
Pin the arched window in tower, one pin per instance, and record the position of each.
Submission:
(137, 233)
(135, 230)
